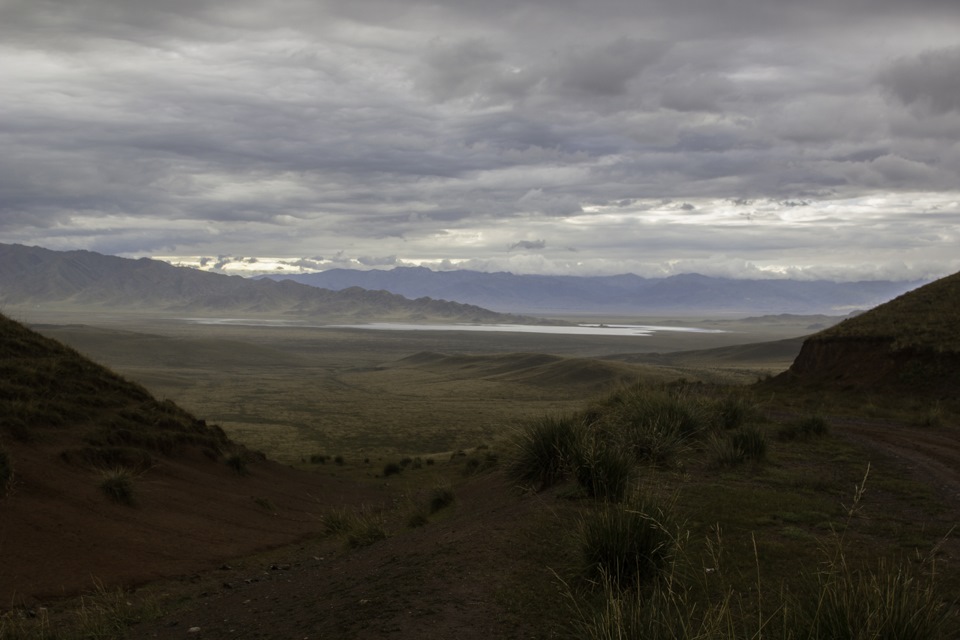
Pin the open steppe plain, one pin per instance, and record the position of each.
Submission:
(292, 391)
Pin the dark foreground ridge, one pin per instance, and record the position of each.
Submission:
(100, 481)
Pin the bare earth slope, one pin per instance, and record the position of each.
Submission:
(454, 578)
(65, 422)
(910, 344)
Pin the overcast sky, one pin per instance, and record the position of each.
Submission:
(814, 138)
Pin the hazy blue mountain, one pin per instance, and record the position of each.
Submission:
(84, 279)
(627, 293)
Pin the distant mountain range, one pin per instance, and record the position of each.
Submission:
(620, 294)
(32, 276)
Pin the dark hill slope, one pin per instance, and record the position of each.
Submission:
(66, 423)
(84, 279)
(911, 343)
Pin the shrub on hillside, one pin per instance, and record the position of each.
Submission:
(734, 410)
(367, 528)
(391, 468)
(238, 462)
(6, 472)
(629, 544)
(655, 424)
(544, 450)
(603, 470)
(117, 484)
(747, 444)
(441, 497)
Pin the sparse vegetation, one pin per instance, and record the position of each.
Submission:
(360, 528)
(366, 529)
(391, 469)
(6, 472)
(238, 462)
(337, 521)
(102, 615)
(441, 497)
(747, 444)
(813, 426)
(117, 484)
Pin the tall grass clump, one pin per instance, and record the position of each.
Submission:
(544, 450)
(734, 410)
(804, 429)
(367, 528)
(628, 544)
(889, 602)
(655, 424)
(667, 610)
(238, 462)
(441, 497)
(117, 484)
(747, 444)
(360, 529)
(603, 470)
(6, 472)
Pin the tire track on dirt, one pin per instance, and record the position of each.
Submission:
(930, 453)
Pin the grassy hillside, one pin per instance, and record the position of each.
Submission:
(923, 319)
(49, 392)
(908, 347)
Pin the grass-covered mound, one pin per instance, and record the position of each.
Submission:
(49, 392)
(908, 344)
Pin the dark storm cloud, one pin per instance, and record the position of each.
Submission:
(607, 70)
(930, 80)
